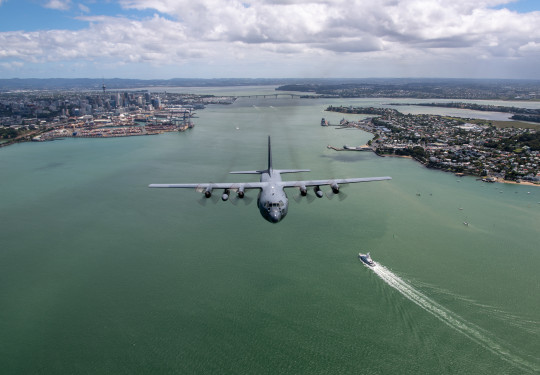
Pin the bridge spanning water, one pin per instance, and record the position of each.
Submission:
(275, 96)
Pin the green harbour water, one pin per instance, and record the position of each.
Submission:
(101, 275)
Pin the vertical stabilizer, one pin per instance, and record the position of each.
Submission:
(269, 157)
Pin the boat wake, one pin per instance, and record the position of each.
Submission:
(527, 324)
(473, 332)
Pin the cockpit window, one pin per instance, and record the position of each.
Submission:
(269, 205)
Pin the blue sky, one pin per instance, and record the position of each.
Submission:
(269, 38)
(31, 15)
(522, 6)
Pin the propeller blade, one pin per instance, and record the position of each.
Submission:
(340, 194)
(235, 199)
(309, 198)
(303, 194)
(247, 200)
(203, 200)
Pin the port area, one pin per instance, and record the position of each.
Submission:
(110, 132)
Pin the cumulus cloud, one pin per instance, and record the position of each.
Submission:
(258, 31)
(336, 24)
(110, 37)
(58, 4)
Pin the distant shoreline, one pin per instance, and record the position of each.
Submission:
(498, 180)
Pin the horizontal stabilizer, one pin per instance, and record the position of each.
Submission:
(248, 172)
(291, 170)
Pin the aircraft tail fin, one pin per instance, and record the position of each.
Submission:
(269, 157)
(270, 167)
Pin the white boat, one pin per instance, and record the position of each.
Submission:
(366, 259)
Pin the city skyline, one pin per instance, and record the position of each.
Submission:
(162, 39)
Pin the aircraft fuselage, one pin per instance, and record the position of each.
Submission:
(272, 200)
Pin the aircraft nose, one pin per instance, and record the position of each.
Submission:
(275, 216)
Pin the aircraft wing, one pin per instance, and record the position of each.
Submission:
(338, 181)
(212, 185)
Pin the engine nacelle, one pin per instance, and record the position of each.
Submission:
(318, 192)
(208, 193)
(240, 193)
(335, 188)
(303, 191)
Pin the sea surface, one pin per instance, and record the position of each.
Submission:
(101, 275)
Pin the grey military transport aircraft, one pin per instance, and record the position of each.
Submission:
(272, 200)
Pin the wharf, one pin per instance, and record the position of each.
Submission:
(349, 148)
(111, 132)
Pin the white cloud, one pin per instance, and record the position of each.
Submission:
(12, 65)
(336, 24)
(58, 4)
(403, 35)
(83, 8)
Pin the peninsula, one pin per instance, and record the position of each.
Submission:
(521, 114)
(465, 146)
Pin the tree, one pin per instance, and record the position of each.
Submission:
(8, 133)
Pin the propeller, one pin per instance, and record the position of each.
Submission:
(239, 195)
(336, 191)
(303, 194)
(207, 195)
(203, 200)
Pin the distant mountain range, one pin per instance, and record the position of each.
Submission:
(120, 83)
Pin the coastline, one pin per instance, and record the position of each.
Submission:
(398, 156)
(526, 183)
(498, 180)
(477, 158)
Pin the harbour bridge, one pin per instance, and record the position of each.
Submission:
(275, 96)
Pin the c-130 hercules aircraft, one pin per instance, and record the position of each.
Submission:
(272, 200)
